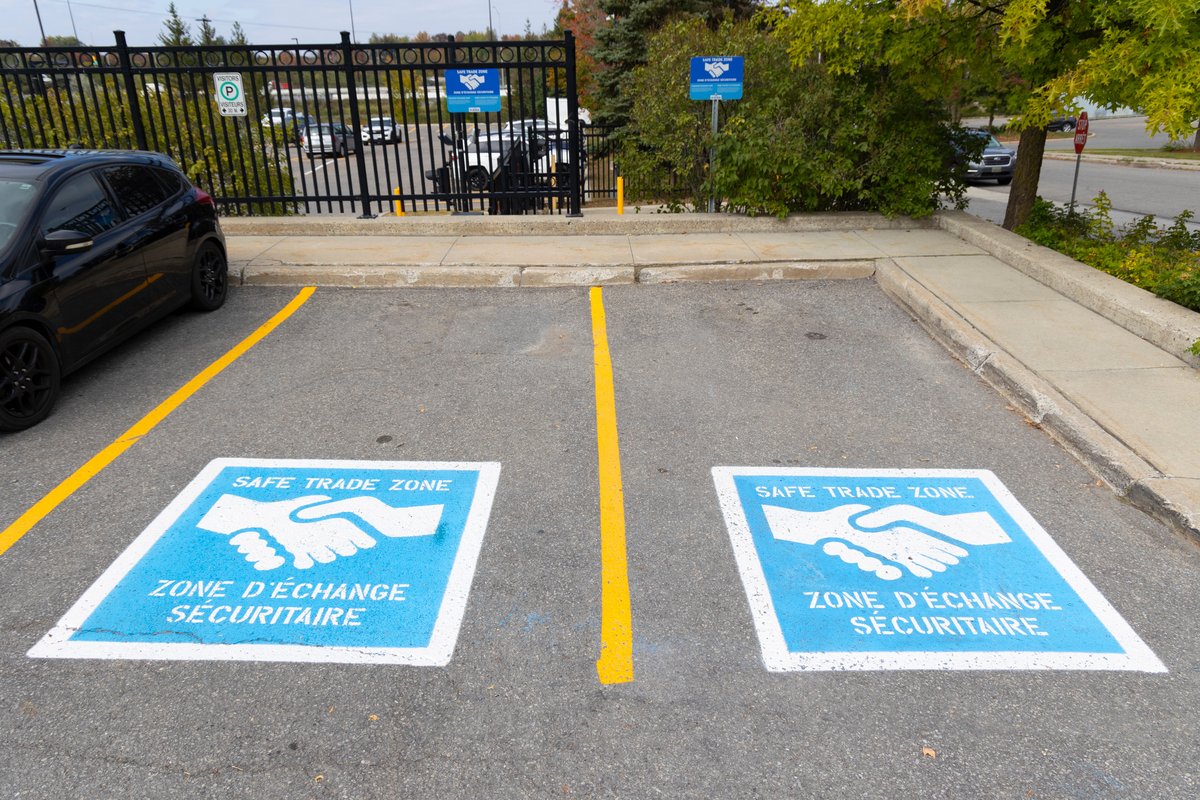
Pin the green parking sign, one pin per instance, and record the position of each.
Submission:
(231, 98)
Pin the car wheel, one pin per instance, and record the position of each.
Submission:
(1068, 126)
(1004, 181)
(29, 378)
(210, 278)
(477, 178)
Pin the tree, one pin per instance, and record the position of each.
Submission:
(584, 18)
(207, 34)
(61, 41)
(175, 31)
(621, 45)
(237, 35)
(1136, 53)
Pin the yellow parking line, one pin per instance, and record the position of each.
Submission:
(59, 493)
(615, 664)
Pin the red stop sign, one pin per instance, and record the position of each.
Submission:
(1081, 127)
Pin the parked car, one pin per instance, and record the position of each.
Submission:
(997, 161)
(1062, 124)
(480, 156)
(328, 138)
(291, 122)
(94, 246)
(382, 129)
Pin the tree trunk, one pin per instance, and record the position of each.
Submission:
(1030, 150)
(1196, 141)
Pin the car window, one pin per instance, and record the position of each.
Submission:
(15, 199)
(79, 205)
(135, 187)
(172, 181)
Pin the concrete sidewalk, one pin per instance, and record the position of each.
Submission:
(1100, 365)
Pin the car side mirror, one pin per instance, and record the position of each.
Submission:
(66, 241)
(446, 140)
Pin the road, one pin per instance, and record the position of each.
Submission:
(1134, 191)
(783, 375)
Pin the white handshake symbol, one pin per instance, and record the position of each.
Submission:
(313, 529)
(878, 543)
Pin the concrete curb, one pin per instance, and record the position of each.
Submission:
(543, 275)
(1170, 500)
(1170, 327)
(602, 221)
(1128, 161)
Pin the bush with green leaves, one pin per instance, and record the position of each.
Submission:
(801, 139)
(1165, 261)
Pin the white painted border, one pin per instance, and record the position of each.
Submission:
(777, 658)
(57, 643)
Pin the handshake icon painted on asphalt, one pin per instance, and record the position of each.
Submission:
(314, 529)
(880, 543)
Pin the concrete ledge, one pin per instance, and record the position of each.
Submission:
(1167, 325)
(794, 270)
(598, 221)
(1170, 500)
(577, 276)
(430, 275)
(1127, 161)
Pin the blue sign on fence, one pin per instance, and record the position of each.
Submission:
(912, 569)
(716, 78)
(472, 90)
(293, 560)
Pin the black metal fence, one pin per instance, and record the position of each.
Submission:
(328, 128)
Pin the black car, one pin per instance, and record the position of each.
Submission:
(94, 246)
(1062, 124)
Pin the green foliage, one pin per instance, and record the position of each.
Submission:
(1165, 261)
(219, 154)
(801, 139)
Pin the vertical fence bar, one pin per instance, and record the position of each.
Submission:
(355, 127)
(135, 111)
(575, 201)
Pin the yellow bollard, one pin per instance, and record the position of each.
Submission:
(620, 195)
(397, 205)
(553, 181)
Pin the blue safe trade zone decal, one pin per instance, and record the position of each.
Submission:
(294, 560)
(861, 569)
(472, 90)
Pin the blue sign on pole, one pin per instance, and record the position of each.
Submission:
(851, 569)
(472, 90)
(293, 560)
(716, 78)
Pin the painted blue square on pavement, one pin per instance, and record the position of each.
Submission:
(294, 560)
(716, 77)
(912, 569)
(472, 90)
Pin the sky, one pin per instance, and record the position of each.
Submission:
(269, 21)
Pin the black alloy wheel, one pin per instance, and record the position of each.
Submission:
(210, 278)
(29, 378)
(478, 179)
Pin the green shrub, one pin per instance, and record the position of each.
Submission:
(1165, 261)
(799, 140)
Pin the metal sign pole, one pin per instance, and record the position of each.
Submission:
(1074, 183)
(712, 159)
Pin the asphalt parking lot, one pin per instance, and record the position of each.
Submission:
(820, 375)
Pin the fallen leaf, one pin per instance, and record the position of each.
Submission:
(374, 718)
(928, 752)
(319, 778)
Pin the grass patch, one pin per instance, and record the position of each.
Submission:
(1165, 261)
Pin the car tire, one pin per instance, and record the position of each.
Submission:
(1068, 126)
(478, 179)
(1004, 181)
(30, 378)
(210, 278)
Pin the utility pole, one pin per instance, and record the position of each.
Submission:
(38, 11)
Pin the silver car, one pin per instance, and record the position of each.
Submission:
(382, 129)
(328, 137)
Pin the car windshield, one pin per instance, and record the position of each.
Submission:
(16, 197)
(381, 120)
(988, 139)
(324, 130)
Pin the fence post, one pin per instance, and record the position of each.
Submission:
(575, 201)
(135, 111)
(364, 196)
